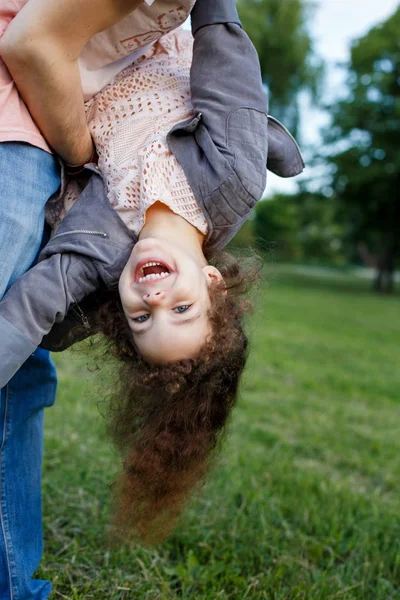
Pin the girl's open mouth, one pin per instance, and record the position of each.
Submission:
(151, 270)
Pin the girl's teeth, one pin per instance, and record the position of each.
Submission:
(152, 264)
(153, 276)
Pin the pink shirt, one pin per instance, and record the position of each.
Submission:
(16, 124)
(106, 55)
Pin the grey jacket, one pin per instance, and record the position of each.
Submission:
(225, 152)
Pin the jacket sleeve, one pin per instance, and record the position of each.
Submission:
(74, 264)
(36, 301)
(231, 104)
(225, 73)
(223, 150)
(227, 90)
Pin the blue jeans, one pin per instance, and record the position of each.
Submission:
(28, 176)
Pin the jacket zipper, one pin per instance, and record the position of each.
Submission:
(78, 311)
(85, 231)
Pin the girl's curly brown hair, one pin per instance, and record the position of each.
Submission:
(166, 420)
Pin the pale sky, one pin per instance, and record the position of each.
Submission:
(334, 25)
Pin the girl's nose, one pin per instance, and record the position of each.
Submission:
(154, 297)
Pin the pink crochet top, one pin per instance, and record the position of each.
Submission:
(129, 121)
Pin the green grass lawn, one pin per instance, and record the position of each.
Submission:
(305, 500)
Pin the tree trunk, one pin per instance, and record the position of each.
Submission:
(384, 281)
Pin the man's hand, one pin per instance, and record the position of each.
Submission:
(41, 48)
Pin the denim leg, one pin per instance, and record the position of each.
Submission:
(28, 177)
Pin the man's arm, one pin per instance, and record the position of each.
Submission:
(41, 48)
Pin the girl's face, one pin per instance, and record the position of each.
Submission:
(164, 294)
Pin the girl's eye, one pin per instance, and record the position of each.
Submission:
(183, 308)
(141, 319)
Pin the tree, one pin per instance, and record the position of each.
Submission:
(275, 226)
(301, 226)
(365, 144)
(278, 30)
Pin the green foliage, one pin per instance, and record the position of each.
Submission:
(305, 502)
(319, 234)
(244, 237)
(278, 30)
(275, 226)
(300, 227)
(366, 173)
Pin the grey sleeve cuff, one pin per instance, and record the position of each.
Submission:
(213, 12)
(15, 349)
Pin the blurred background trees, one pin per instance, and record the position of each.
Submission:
(365, 145)
(278, 30)
(355, 216)
(303, 226)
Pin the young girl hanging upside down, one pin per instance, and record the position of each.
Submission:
(183, 140)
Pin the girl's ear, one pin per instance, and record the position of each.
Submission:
(213, 275)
